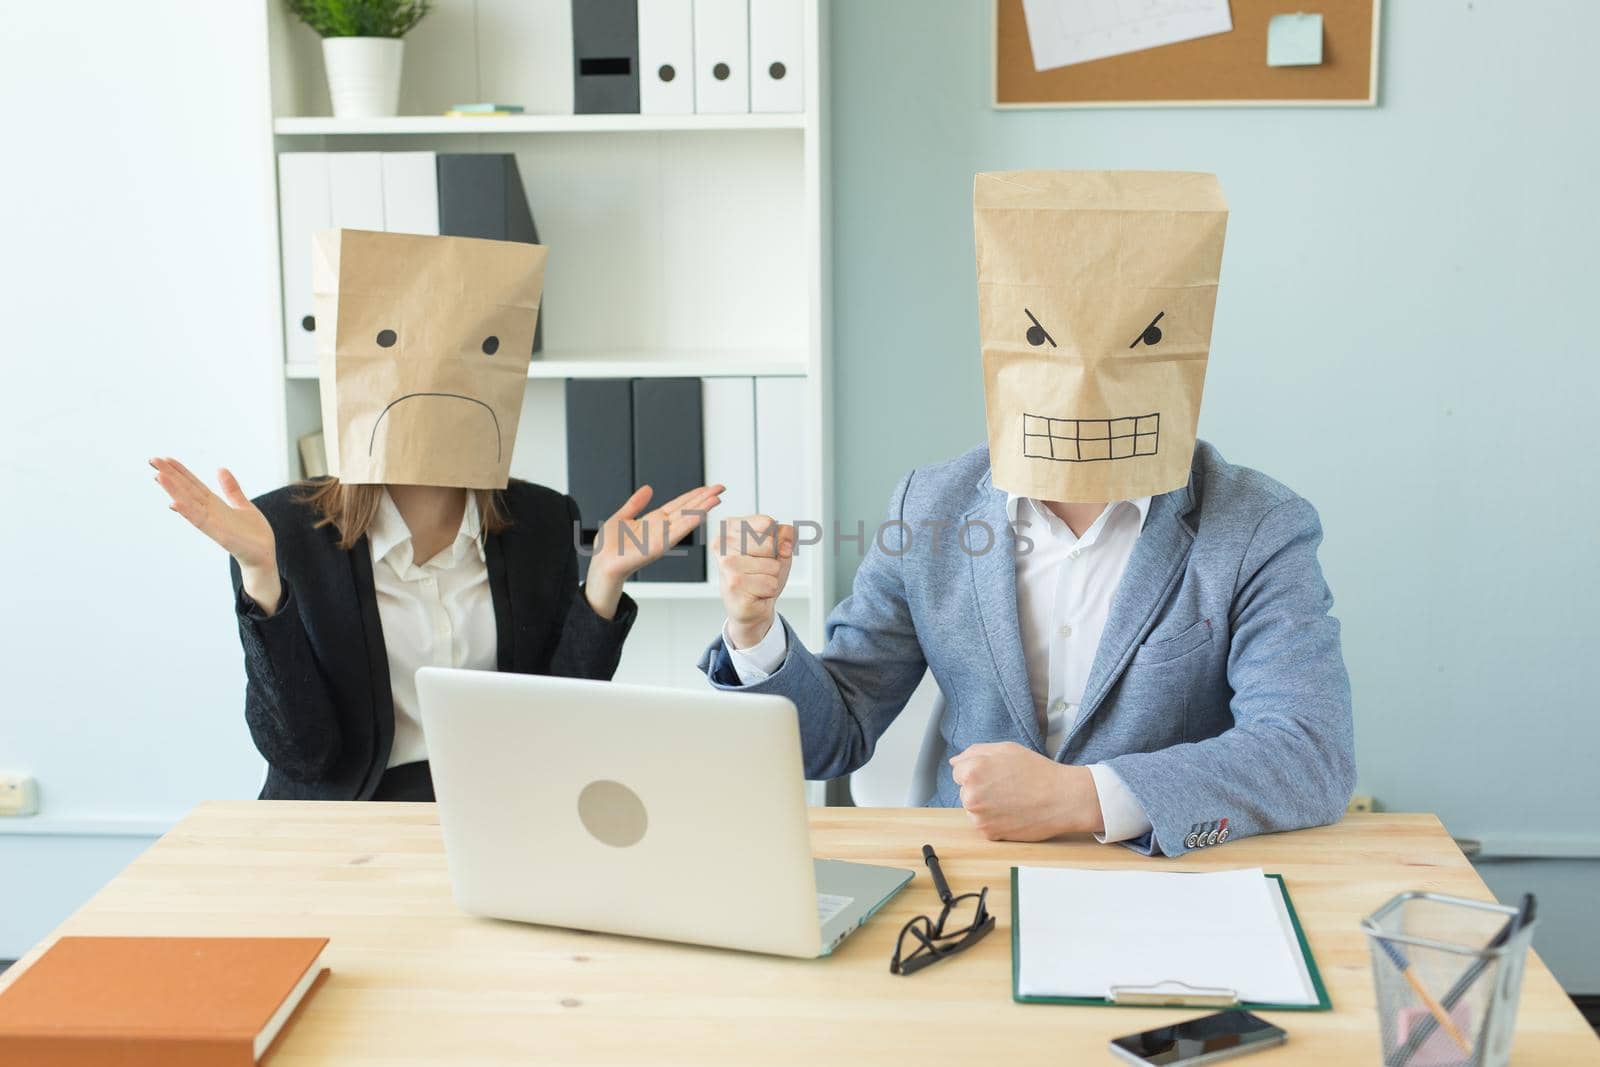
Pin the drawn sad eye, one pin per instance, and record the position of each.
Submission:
(491, 345)
(1150, 335)
(386, 338)
(1037, 334)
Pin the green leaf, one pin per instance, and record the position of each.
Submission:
(360, 18)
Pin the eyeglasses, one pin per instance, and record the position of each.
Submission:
(962, 923)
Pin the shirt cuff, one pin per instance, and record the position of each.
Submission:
(762, 659)
(1122, 815)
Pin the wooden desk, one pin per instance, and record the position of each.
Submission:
(414, 982)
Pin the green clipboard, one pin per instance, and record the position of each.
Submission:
(1322, 1004)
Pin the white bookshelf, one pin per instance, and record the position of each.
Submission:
(293, 126)
(680, 246)
(643, 364)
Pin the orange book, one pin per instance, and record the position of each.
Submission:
(157, 1001)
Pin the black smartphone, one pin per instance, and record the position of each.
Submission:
(1204, 1040)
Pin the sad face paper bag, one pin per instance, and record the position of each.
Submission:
(426, 355)
(1095, 296)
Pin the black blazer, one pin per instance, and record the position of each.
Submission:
(317, 696)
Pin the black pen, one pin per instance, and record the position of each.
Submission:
(940, 886)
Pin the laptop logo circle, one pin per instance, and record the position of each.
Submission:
(612, 813)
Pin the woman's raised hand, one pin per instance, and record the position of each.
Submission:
(629, 540)
(234, 523)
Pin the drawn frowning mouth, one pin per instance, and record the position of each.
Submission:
(1085, 440)
(450, 396)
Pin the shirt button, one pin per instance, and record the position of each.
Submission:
(1059, 706)
(1075, 553)
(1066, 631)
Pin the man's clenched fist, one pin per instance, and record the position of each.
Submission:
(1012, 793)
(756, 553)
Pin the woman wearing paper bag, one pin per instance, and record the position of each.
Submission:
(420, 550)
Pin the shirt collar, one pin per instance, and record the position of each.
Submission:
(390, 536)
(471, 532)
(1014, 504)
(388, 530)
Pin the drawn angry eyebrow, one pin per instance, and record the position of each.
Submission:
(1150, 335)
(1043, 333)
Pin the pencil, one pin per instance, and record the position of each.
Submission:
(1441, 1016)
(1524, 916)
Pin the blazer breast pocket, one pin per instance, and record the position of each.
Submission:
(1196, 636)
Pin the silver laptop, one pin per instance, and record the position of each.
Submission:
(627, 809)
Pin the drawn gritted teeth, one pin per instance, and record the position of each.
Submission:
(1086, 440)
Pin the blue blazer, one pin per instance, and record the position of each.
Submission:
(1218, 692)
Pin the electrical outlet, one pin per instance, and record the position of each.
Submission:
(1362, 802)
(18, 795)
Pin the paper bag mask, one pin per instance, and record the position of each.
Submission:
(1095, 296)
(426, 355)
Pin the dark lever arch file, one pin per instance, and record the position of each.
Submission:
(605, 57)
(669, 456)
(481, 195)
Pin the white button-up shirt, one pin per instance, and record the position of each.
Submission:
(1064, 590)
(438, 613)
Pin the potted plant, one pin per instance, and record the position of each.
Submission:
(361, 48)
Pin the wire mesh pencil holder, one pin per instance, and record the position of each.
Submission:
(1444, 944)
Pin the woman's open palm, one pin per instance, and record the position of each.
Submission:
(629, 540)
(235, 523)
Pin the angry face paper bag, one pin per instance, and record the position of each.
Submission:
(424, 363)
(1095, 296)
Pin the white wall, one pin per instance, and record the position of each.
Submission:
(138, 297)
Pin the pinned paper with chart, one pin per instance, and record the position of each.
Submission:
(1064, 32)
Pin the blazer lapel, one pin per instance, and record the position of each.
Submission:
(1157, 561)
(377, 663)
(994, 583)
(494, 551)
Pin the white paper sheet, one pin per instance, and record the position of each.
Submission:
(1083, 932)
(1063, 32)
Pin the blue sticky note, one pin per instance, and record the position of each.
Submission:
(1294, 41)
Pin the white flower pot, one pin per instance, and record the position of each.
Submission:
(363, 75)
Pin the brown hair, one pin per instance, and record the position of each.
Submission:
(350, 509)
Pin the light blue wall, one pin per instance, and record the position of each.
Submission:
(1405, 334)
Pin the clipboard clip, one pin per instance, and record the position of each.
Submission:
(1172, 992)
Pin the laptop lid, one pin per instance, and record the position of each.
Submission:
(637, 810)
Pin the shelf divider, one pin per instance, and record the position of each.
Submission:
(777, 364)
(325, 126)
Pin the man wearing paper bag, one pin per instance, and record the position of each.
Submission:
(1132, 636)
(420, 549)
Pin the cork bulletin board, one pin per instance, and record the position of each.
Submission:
(1223, 70)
